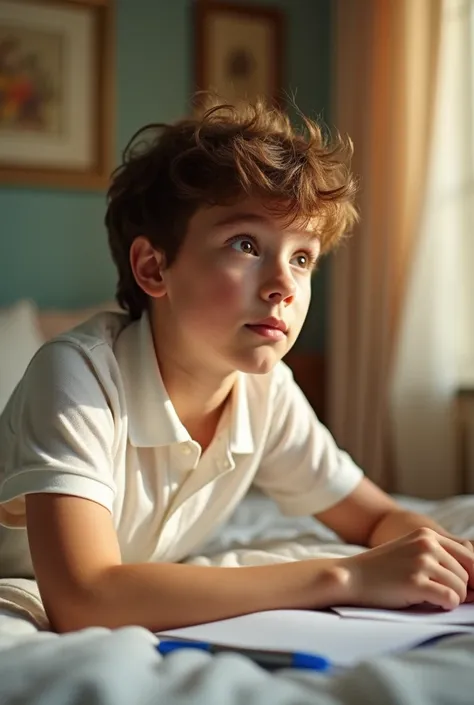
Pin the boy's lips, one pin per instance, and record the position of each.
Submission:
(272, 328)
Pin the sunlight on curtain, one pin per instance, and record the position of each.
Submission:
(465, 103)
(385, 59)
(436, 343)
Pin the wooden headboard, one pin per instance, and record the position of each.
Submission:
(309, 370)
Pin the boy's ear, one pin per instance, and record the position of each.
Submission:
(147, 266)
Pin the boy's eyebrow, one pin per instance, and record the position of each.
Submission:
(240, 218)
(253, 218)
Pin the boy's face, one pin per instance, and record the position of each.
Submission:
(237, 267)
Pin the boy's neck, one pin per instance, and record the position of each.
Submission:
(198, 394)
(199, 405)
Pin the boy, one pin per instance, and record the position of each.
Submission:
(133, 436)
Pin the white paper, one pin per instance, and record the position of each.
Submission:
(464, 614)
(344, 642)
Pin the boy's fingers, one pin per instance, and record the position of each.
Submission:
(450, 579)
(470, 547)
(450, 563)
(458, 550)
(463, 554)
(463, 542)
(468, 544)
(436, 594)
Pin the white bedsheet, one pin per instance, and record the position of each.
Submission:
(121, 667)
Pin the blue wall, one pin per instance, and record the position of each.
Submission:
(53, 246)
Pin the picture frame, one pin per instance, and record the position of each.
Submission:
(56, 93)
(239, 51)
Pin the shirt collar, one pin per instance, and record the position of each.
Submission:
(152, 419)
(241, 438)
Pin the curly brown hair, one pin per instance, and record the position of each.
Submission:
(225, 153)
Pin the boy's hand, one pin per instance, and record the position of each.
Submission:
(467, 543)
(422, 566)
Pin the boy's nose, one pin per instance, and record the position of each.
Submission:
(279, 288)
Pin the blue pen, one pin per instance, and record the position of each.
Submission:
(270, 660)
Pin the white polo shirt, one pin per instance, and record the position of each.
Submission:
(92, 418)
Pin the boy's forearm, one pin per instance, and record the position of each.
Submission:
(161, 596)
(399, 523)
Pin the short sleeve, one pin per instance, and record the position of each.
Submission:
(302, 469)
(57, 433)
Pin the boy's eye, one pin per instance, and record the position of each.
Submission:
(243, 244)
(303, 260)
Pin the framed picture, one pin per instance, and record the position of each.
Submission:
(239, 50)
(56, 93)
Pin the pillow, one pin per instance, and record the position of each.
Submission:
(20, 338)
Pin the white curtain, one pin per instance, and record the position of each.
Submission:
(435, 352)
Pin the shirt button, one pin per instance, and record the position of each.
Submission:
(226, 465)
(185, 449)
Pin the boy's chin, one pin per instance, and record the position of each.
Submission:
(259, 361)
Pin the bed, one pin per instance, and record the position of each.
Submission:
(101, 666)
